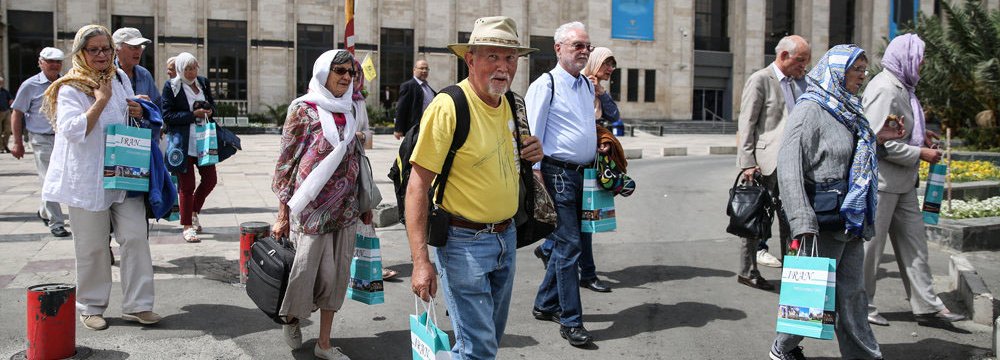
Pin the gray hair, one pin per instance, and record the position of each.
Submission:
(171, 59)
(89, 34)
(563, 31)
(788, 44)
(342, 57)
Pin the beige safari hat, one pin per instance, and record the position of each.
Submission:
(499, 31)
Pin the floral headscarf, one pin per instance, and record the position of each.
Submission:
(81, 76)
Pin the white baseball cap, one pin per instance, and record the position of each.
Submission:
(51, 53)
(130, 36)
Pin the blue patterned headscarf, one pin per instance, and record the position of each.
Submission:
(828, 88)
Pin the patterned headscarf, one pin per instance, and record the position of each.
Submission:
(359, 83)
(81, 76)
(902, 58)
(828, 88)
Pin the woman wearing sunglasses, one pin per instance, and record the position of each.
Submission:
(188, 102)
(315, 180)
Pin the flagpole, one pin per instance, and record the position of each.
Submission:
(349, 29)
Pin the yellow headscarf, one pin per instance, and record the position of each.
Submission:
(81, 76)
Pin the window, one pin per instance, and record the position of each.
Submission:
(312, 41)
(227, 59)
(707, 104)
(145, 26)
(841, 22)
(396, 60)
(780, 22)
(463, 69)
(650, 85)
(633, 85)
(28, 33)
(903, 14)
(542, 60)
(710, 25)
(616, 85)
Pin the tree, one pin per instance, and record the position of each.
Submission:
(960, 76)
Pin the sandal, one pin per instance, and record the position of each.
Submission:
(191, 235)
(388, 273)
(195, 222)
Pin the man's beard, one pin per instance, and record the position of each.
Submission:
(499, 89)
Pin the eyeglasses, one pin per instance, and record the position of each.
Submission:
(579, 46)
(342, 71)
(136, 47)
(611, 64)
(99, 51)
(863, 70)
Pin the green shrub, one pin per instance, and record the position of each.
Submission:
(377, 115)
(225, 110)
(277, 114)
(981, 139)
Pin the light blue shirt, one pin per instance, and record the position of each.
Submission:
(29, 100)
(565, 125)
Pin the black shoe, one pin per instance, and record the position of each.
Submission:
(755, 281)
(541, 255)
(545, 315)
(596, 285)
(60, 232)
(44, 220)
(577, 336)
(794, 354)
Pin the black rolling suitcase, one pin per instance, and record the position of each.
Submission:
(270, 263)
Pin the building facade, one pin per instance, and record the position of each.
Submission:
(259, 53)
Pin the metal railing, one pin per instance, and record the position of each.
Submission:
(715, 117)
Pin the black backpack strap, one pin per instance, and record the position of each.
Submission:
(462, 120)
(552, 93)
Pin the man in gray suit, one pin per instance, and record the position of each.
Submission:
(768, 97)
(898, 211)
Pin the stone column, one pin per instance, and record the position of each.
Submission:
(812, 22)
(871, 26)
(746, 42)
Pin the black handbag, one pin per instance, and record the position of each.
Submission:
(749, 209)
(270, 264)
(826, 199)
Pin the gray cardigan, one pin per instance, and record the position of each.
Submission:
(815, 147)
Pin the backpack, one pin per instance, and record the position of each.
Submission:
(531, 225)
(400, 171)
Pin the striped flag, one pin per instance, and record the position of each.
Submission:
(349, 31)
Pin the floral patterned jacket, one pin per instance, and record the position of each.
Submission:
(302, 149)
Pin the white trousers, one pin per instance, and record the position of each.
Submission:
(898, 216)
(42, 145)
(93, 259)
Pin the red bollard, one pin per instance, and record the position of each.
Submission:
(249, 233)
(51, 321)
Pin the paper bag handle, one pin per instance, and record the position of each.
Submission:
(428, 308)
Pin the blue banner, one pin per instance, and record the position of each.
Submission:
(632, 19)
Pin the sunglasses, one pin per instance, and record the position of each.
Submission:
(342, 71)
(579, 46)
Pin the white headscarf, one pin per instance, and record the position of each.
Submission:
(181, 62)
(327, 104)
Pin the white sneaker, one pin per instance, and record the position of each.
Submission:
(293, 335)
(333, 353)
(766, 259)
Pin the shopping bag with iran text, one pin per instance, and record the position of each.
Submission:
(126, 158)
(427, 341)
(598, 205)
(935, 192)
(207, 144)
(807, 303)
(366, 268)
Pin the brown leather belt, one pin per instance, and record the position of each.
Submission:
(497, 227)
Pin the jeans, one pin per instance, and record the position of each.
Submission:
(588, 271)
(477, 275)
(560, 289)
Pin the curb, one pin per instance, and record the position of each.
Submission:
(972, 290)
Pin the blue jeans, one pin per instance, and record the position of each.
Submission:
(560, 289)
(588, 271)
(477, 276)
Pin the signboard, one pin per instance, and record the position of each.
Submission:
(632, 19)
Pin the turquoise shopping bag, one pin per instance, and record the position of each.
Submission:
(935, 192)
(807, 305)
(126, 158)
(366, 269)
(427, 341)
(207, 143)
(598, 208)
